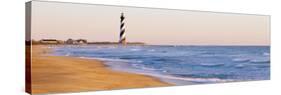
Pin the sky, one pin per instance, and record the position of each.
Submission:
(56, 20)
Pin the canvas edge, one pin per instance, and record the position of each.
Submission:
(28, 86)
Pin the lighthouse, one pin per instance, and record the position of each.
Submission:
(122, 36)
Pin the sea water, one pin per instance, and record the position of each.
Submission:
(181, 65)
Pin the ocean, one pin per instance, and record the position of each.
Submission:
(181, 65)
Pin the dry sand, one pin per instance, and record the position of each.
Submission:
(57, 74)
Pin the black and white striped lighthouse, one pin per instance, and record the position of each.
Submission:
(122, 36)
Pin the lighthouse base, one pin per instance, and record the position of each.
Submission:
(123, 42)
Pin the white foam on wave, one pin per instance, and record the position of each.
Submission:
(107, 59)
(240, 59)
(114, 60)
(147, 68)
(252, 60)
(135, 49)
(202, 80)
(211, 64)
(240, 65)
(260, 61)
(266, 54)
(67, 54)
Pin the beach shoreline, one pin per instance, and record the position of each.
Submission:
(58, 74)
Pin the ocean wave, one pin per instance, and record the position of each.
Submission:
(256, 66)
(211, 65)
(67, 54)
(240, 65)
(143, 67)
(260, 61)
(212, 55)
(201, 80)
(263, 66)
(151, 69)
(198, 80)
(266, 54)
(106, 59)
(151, 50)
(203, 75)
(240, 60)
(135, 49)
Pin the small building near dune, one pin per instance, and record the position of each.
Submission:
(81, 41)
(70, 41)
(75, 42)
(49, 41)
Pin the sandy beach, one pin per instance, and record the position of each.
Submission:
(58, 74)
